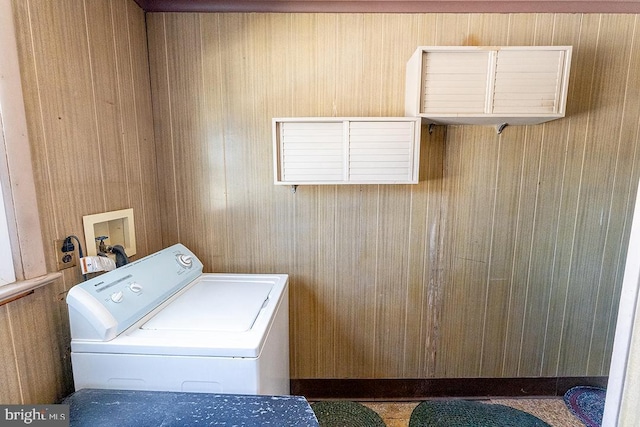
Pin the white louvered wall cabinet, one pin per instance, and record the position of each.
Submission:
(516, 85)
(338, 150)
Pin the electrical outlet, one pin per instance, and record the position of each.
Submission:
(63, 259)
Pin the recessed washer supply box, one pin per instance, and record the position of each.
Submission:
(118, 226)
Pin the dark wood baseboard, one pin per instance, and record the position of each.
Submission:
(413, 389)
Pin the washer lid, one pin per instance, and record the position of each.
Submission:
(218, 306)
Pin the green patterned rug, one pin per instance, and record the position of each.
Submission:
(466, 413)
(345, 414)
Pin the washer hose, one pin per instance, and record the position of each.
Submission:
(121, 256)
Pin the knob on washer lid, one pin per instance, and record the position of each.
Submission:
(117, 297)
(184, 260)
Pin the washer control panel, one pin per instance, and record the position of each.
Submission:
(115, 300)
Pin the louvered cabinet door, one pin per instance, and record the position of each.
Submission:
(355, 150)
(455, 82)
(311, 152)
(528, 82)
(382, 151)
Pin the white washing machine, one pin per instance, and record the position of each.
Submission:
(159, 323)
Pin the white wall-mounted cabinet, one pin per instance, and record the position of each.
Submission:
(488, 85)
(338, 150)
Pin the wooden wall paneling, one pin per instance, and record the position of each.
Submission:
(303, 293)
(387, 63)
(391, 280)
(432, 167)
(349, 71)
(163, 133)
(34, 327)
(513, 146)
(372, 57)
(453, 30)
(297, 57)
(136, 123)
(422, 232)
(425, 32)
(630, 131)
(29, 77)
(574, 29)
(46, 36)
(280, 244)
(69, 123)
(505, 289)
(326, 214)
(313, 71)
(302, 64)
(472, 252)
(472, 197)
(528, 299)
(536, 327)
(325, 64)
(529, 29)
(423, 282)
(279, 68)
(109, 158)
(127, 134)
(356, 280)
(68, 54)
(356, 207)
(397, 45)
(249, 191)
(247, 229)
(146, 138)
(295, 216)
(187, 144)
(213, 92)
(11, 392)
(59, 327)
(452, 171)
(528, 291)
(595, 194)
(489, 29)
(378, 79)
(616, 193)
(544, 243)
(321, 76)
(625, 187)
(273, 247)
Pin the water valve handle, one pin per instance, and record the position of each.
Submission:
(101, 246)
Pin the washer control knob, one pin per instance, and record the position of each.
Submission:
(185, 260)
(135, 287)
(117, 297)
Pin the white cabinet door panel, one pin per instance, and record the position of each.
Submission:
(359, 150)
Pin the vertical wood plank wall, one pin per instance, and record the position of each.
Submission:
(505, 260)
(85, 80)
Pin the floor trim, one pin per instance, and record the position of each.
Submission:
(411, 389)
